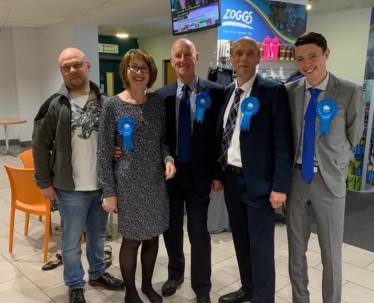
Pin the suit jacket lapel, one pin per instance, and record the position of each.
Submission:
(172, 94)
(255, 92)
(256, 88)
(171, 113)
(299, 109)
(227, 95)
(330, 93)
(331, 89)
(201, 88)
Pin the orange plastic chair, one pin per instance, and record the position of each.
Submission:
(27, 159)
(27, 197)
(28, 162)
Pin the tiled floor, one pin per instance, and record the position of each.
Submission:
(22, 280)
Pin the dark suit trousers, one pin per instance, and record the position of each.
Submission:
(252, 224)
(181, 193)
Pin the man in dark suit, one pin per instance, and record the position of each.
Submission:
(322, 190)
(195, 147)
(257, 161)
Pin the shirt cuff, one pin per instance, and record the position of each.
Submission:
(169, 158)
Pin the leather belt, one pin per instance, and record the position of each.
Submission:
(235, 169)
(315, 168)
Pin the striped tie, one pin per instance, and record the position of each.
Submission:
(229, 128)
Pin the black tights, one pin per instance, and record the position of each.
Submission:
(128, 257)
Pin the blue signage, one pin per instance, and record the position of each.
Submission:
(260, 18)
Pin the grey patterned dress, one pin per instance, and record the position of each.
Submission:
(138, 177)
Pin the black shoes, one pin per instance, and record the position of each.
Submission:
(53, 264)
(108, 258)
(235, 297)
(203, 299)
(107, 281)
(170, 287)
(132, 297)
(152, 295)
(76, 295)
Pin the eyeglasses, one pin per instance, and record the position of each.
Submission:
(77, 65)
(135, 69)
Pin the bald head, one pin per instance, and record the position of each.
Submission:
(184, 42)
(71, 52)
(246, 40)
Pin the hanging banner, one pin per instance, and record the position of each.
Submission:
(260, 18)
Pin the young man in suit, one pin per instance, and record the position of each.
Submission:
(321, 162)
(194, 146)
(257, 161)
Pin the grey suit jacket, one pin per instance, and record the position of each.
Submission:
(332, 151)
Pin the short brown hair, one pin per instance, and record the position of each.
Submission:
(312, 38)
(140, 54)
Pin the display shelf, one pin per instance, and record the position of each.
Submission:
(364, 151)
(368, 188)
(279, 70)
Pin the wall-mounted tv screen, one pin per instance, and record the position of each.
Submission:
(194, 15)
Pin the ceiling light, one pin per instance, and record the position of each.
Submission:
(308, 6)
(122, 35)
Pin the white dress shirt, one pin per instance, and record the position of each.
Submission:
(233, 153)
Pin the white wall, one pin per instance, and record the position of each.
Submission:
(86, 38)
(159, 48)
(206, 45)
(8, 90)
(53, 40)
(347, 35)
(27, 66)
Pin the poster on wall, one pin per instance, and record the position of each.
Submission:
(260, 18)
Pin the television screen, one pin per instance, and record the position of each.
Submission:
(194, 15)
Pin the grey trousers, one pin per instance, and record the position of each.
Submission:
(328, 211)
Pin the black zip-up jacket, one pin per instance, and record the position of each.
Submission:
(51, 140)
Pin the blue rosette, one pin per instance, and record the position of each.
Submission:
(326, 110)
(126, 127)
(249, 107)
(202, 102)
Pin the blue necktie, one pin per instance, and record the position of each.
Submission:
(309, 134)
(229, 128)
(184, 127)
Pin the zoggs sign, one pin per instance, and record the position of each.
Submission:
(240, 18)
(259, 18)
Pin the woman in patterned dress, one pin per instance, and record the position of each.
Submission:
(135, 185)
